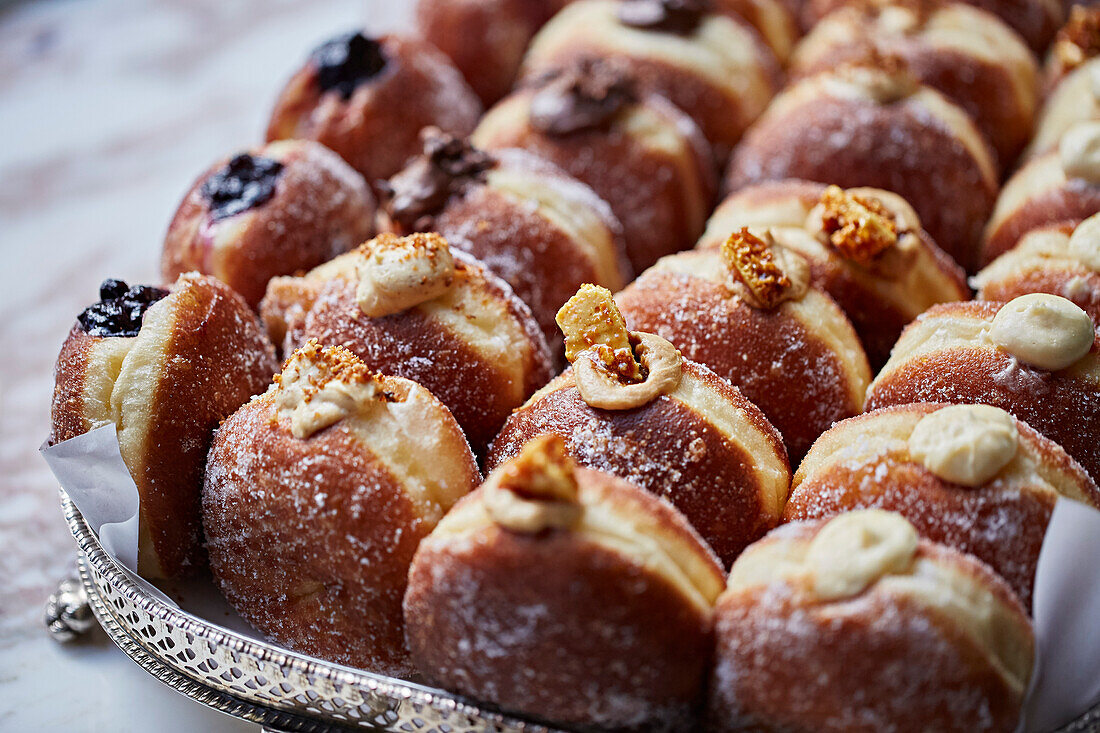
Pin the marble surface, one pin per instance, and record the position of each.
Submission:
(108, 110)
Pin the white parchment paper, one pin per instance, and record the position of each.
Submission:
(1066, 607)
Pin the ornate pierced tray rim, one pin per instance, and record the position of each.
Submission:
(400, 691)
(223, 699)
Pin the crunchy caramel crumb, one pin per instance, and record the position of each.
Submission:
(752, 262)
(590, 320)
(1079, 38)
(859, 228)
(543, 471)
(337, 365)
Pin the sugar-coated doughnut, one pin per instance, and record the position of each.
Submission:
(856, 624)
(567, 594)
(315, 498)
(165, 366)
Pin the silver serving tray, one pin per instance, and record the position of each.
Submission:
(259, 682)
(274, 687)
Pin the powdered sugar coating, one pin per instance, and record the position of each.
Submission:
(667, 448)
(321, 208)
(1064, 405)
(878, 661)
(559, 626)
(1002, 522)
(901, 147)
(310, 540)
(377, 129)
(784, 366)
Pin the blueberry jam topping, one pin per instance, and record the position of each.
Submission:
(120, 309)
(347, 61)
(244, 183)
(447, 166)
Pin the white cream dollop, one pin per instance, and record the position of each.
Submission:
(965, 444)
(398, 273)
(854, 550)
(1042, 330)
(1084, 243)
(1079, 151)
(318, 387)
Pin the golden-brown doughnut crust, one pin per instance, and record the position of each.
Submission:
(787, 662)
(775, 20)
(311, 540)
(665, 447)
(1035, 20)
(1021, 270)
(784, 366)
(559, 626)
(1063, 405)
(995, 80)
(1001, 523)
(412, 345)
(378, 128)
(1042, 202)
(899, 147)
(214, 357)
(320, 209)
(660, 198)
(877, 319)
(484, 38)
(542, 261)
(722, 102)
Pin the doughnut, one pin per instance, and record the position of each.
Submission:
(411, 307)
(367, 99)
(315, 498)
(1035, 357)
(968, 476)
(750, 313)
(1036, 21)
(711, 64)
(862, 126)
(1061, 186)
(275, 210)
(639, 153)
(1075, 99)
(541, 230)
(1060, 260)
(880, 291)
(165, 367)
(484, 38)
(969, 55)
(1077, 42)
(566, 593)
(856, 624)
(630, 405)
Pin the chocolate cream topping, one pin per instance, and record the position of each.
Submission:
(671, 16)
(447, 165)
(584, 96)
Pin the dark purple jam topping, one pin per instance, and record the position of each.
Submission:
(347, 61)
(672, 16)
(244, 183)
(120, 309)
(447, 165)
(583, 96)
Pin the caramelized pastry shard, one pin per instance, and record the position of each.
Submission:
(1079, 39)
(761, 272)
(857, 227)
(536, 490)
(590, 320)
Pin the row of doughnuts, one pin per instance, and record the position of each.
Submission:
(583, 581)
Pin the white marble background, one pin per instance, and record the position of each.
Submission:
(108, 110)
